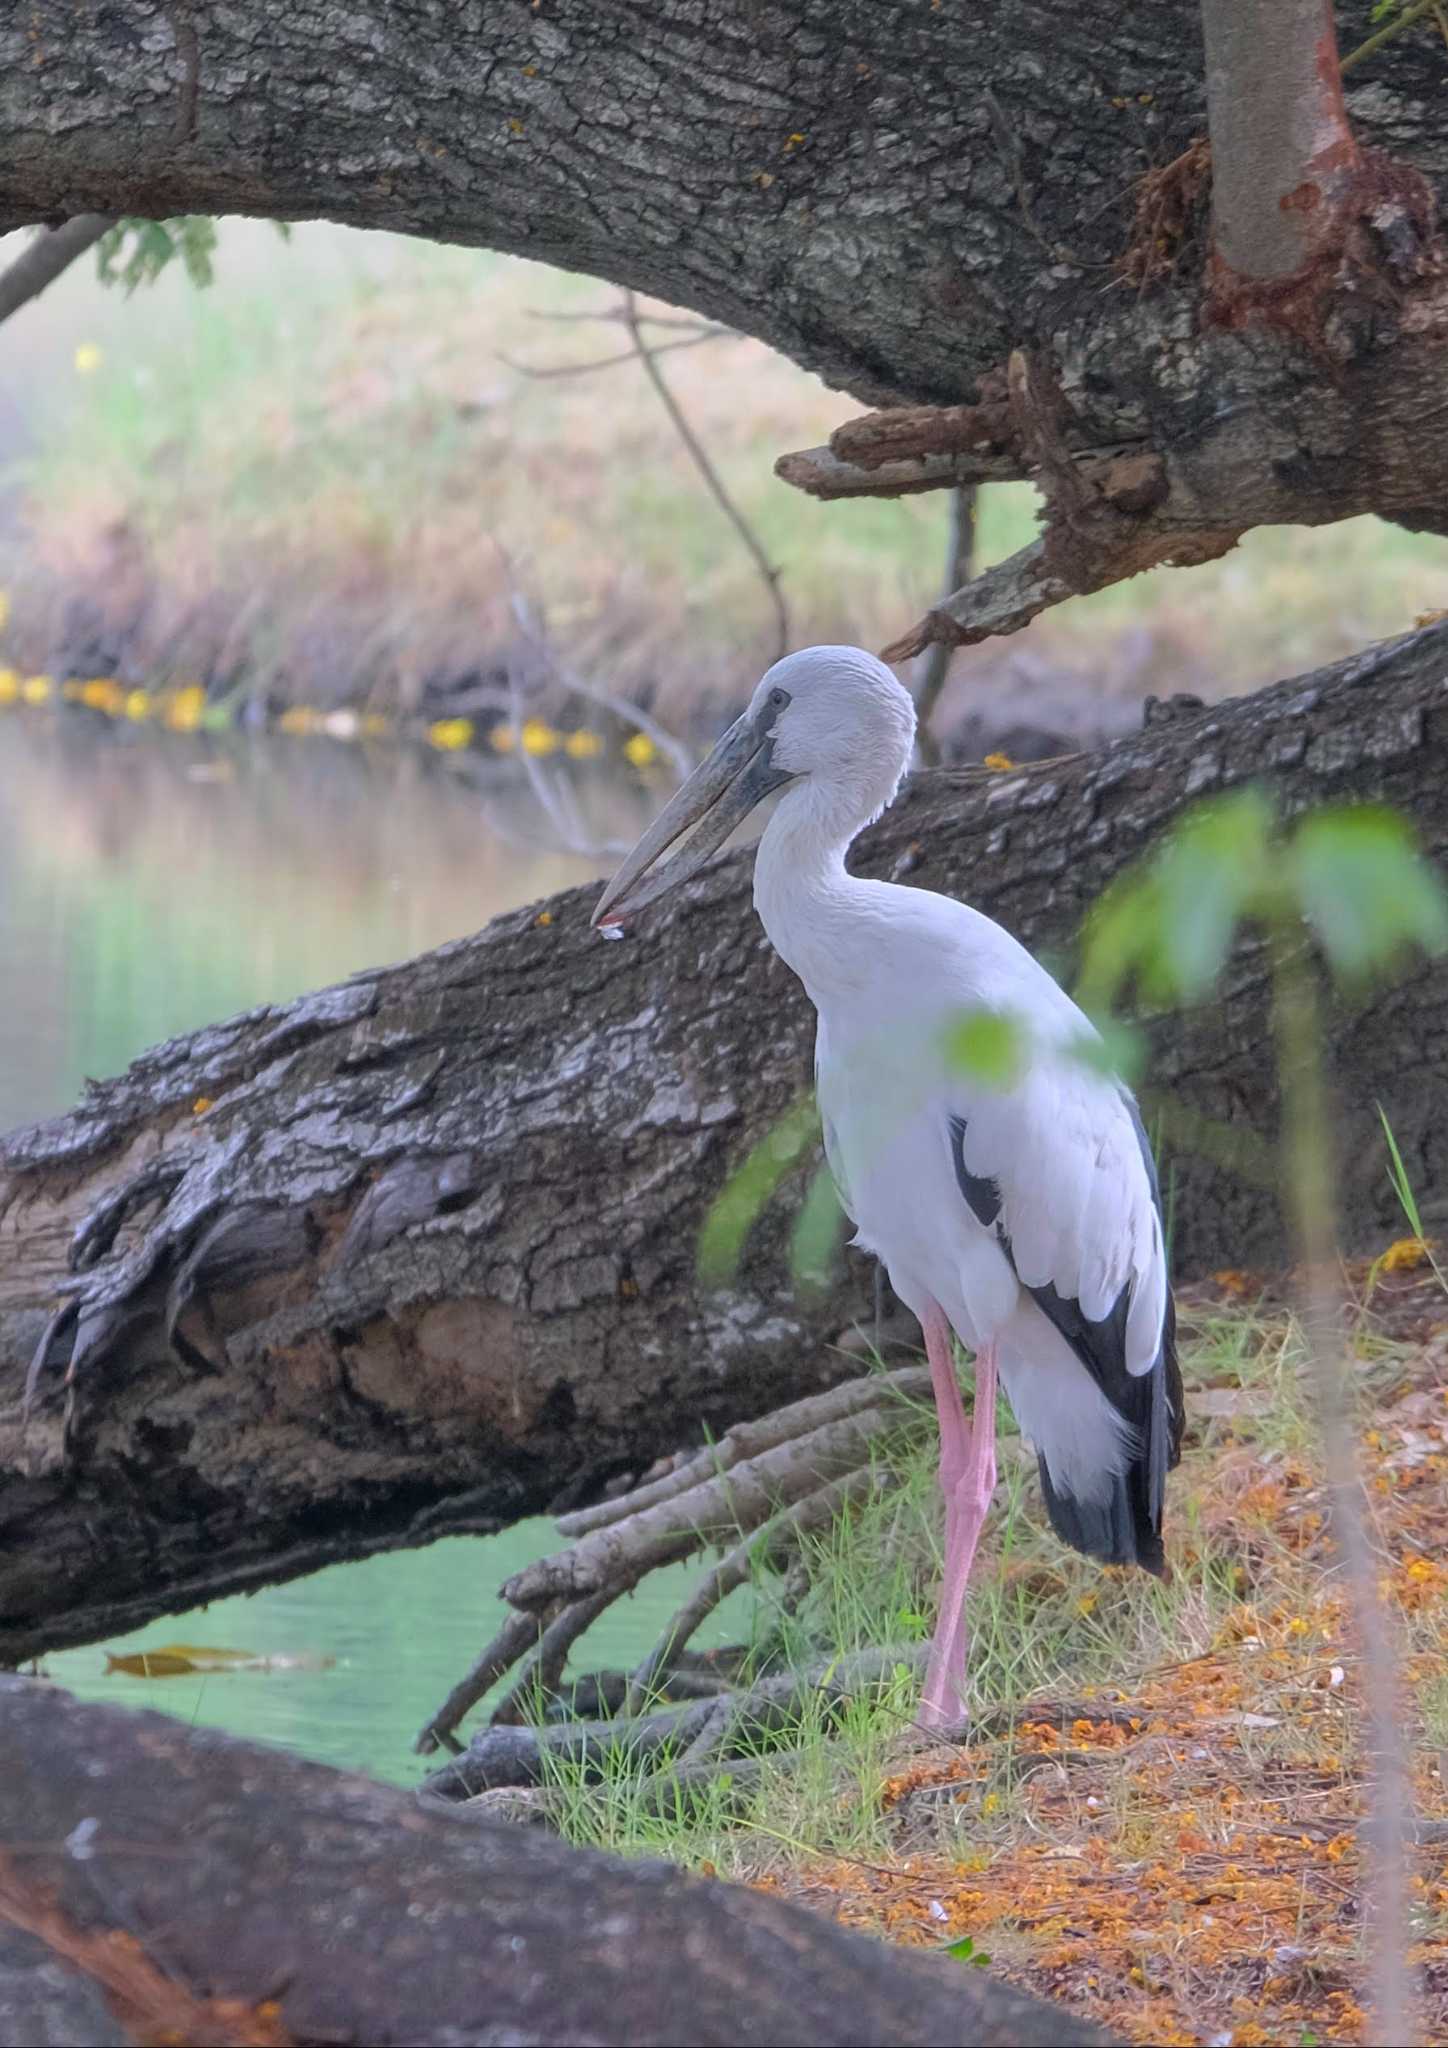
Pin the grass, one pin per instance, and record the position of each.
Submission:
(320, 477)
(1155, 1819)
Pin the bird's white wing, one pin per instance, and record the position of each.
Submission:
(1060, 1167)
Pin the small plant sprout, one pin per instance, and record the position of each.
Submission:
(965, 1951)
(1343, 890)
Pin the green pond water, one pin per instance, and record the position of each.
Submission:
(152, 884)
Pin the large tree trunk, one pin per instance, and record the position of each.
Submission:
(162, 1885)
(418, 1253)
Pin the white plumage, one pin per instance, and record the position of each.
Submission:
(1025, 1217)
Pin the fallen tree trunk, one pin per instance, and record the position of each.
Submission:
(158, 1883)
(417, 1253)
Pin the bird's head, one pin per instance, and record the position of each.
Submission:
(832, 717)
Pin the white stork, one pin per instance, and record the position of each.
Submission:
(1025, 1218)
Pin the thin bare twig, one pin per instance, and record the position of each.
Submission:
(554, 799)
(684, 322)
(935, 662)
(699, 456)
(583, 686)
(1386, 34)
(1310, 1178)
(517, 1635)
(628, 355)
(543, 1667)
(46, 255)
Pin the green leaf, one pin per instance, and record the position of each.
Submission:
(1398, 1175)
(1363, 885)
(1212, 872)
(135, 251)
(816, 1237)
(1169, 924)
(745, 1193)
(1121, 930)
(987, 1046)
(965, 1951)
(1116, 1050)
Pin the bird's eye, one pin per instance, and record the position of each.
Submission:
(778, 699)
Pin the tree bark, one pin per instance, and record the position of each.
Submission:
(917, 202)
(824, 173)
(275, 1900)
(418, 1253)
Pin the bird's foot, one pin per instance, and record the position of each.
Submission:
(943, 1715)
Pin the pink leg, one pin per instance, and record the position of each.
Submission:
(967, 1479)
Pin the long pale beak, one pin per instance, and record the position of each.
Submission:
(721, 792)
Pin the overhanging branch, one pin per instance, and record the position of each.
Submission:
(1321, 326)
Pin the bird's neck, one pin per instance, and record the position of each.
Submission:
(807, 902)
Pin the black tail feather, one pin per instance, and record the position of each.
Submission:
(1125, 1528)
(1117, 1530)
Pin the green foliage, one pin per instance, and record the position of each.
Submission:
(987, 1046)
(816, 1237)
(1365, 889)
(965, 1951)
(739, 1202)
(1398, 1174)
(1353, 872)
(136, 251)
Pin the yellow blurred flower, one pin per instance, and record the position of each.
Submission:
(583, 746)
(37, 689)
(138, 705)
(539, 738)
(184, 708)
(1404, 1255)
(88, 358)
(641, 750)
(9, 686)
(103, 693)
(299, 720)
(450, 734)
(1000, 762)
(500, 739)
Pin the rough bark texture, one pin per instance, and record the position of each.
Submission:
(427, 1259)
(346, 1915)
(905, 198)
(824, 173)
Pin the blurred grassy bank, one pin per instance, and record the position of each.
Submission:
(326, 480)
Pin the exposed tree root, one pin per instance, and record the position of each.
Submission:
(765, 1484)
(674, 1747)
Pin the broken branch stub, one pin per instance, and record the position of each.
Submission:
(1320, 309)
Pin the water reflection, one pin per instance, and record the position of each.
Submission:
(152, 884)
(149, 885)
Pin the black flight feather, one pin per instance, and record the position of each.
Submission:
(1125, 1528)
